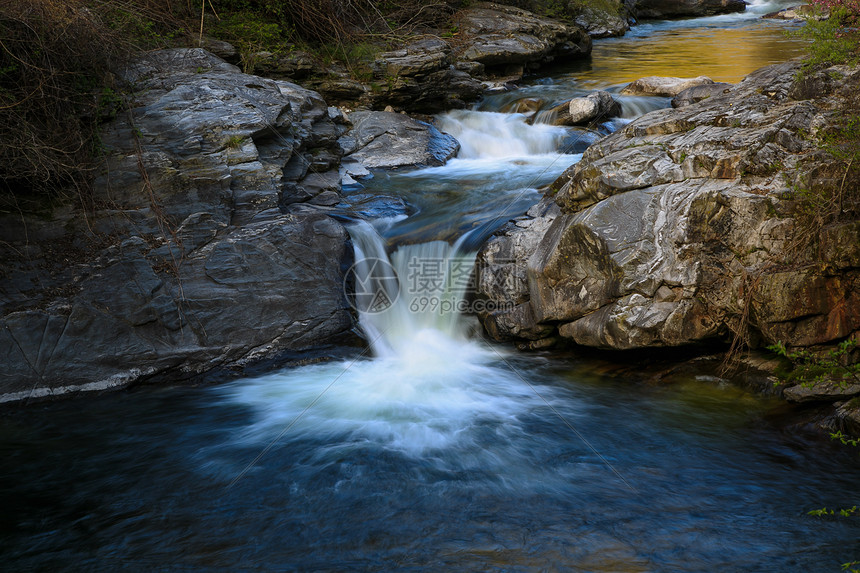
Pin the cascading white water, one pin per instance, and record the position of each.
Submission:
(419, 288)
(429, 385)
(502, 163)
(499, 135)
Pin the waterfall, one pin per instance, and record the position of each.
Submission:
(418, 290)
(485, 134)
(429, 387)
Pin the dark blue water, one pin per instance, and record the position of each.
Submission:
(140, 481)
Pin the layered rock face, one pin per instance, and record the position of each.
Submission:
(198, 267)
(212, 138)
(431, 74)
(679, 228)
(685, 8)
(423, 77)
(507, 40)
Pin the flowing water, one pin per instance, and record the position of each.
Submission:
(434, 449)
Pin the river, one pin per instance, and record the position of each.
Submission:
(434, 449)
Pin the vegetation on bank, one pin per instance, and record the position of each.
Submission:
(809, 369)
(56, 85)
(830, 193)
(834, 32)
(834, 39)
(56, 57)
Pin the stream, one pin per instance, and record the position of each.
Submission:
(434, 449)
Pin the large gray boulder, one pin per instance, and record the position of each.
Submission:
(183, 262)
(663, 86)
(388, 140)
(421, 77)
(681, 228)
(507, 40)
(211, 138)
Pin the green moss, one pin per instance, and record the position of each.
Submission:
(234, 141)
(252, 32)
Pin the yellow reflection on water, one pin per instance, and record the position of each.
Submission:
(724, 55)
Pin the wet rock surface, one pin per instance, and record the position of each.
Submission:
(185, 263)
(381, 139)
(508, 40)
(678, 229)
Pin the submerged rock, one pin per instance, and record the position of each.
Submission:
(679, 228)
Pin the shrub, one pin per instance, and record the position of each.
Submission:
(56, 86)
(833, 33)
(344, 21)
(809, 368)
